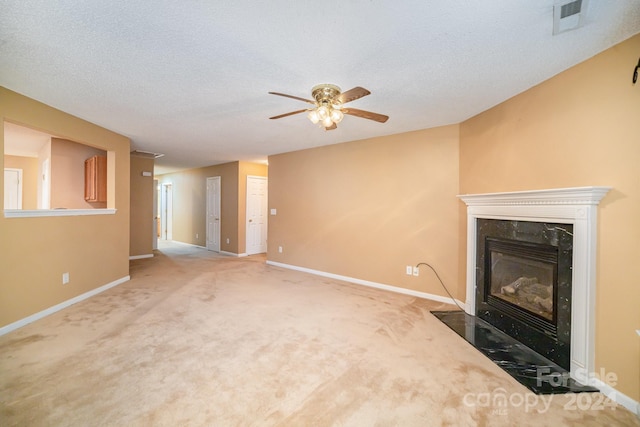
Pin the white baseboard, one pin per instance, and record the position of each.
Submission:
(616, 396)
(132, 257)
(370, 284)
(188, 244)
(204, 247)
(37, 316)
(232, 254)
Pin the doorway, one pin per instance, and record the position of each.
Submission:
(213, 214)
(256, 226)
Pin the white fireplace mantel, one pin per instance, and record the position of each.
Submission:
(577, 206)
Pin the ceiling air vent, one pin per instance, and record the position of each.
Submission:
(147, 154)
(568, 15)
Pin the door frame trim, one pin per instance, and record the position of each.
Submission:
(166, 225)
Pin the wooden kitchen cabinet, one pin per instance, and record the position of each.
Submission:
(95, 179)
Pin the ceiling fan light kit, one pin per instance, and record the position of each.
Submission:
(328, 109)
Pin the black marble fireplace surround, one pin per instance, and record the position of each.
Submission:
(537, 249)
(571, 215)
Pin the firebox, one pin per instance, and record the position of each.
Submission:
(521, 280)
(524, 283)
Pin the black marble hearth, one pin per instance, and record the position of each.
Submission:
(534, 371)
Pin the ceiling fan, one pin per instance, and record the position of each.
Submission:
(328, 106)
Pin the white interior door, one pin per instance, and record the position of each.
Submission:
(213, 213)
(166, 211)
(256, 215)
(12, 188)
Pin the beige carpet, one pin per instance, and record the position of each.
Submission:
(199, 339)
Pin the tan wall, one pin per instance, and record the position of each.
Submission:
(35, 252)
(189, 203)
(369, 208)
(67, 174)
(29, 166)
(579, 128)
(142, 192)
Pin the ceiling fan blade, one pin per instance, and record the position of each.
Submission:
(366, 114)
(352, 94)
(332, 127)
(288, 114)
(293, 97)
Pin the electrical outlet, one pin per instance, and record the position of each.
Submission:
(196, 235)
(409, 270)
(280, 249)
(65, 278)
(416, 271)
(638, 331)
(227, 241)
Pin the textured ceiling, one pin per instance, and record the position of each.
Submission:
(190, 78)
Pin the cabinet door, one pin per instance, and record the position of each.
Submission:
(89, 179)
(101, 179)
(95, 179)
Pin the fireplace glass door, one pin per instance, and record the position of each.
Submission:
(521, 278)
(525, 283)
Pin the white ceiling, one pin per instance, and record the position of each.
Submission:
(190, 78)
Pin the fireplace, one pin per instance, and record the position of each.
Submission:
(576, 207)
(523, 283)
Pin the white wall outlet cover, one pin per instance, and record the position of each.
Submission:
(409, 270)
(416, 271)
(273, 211)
